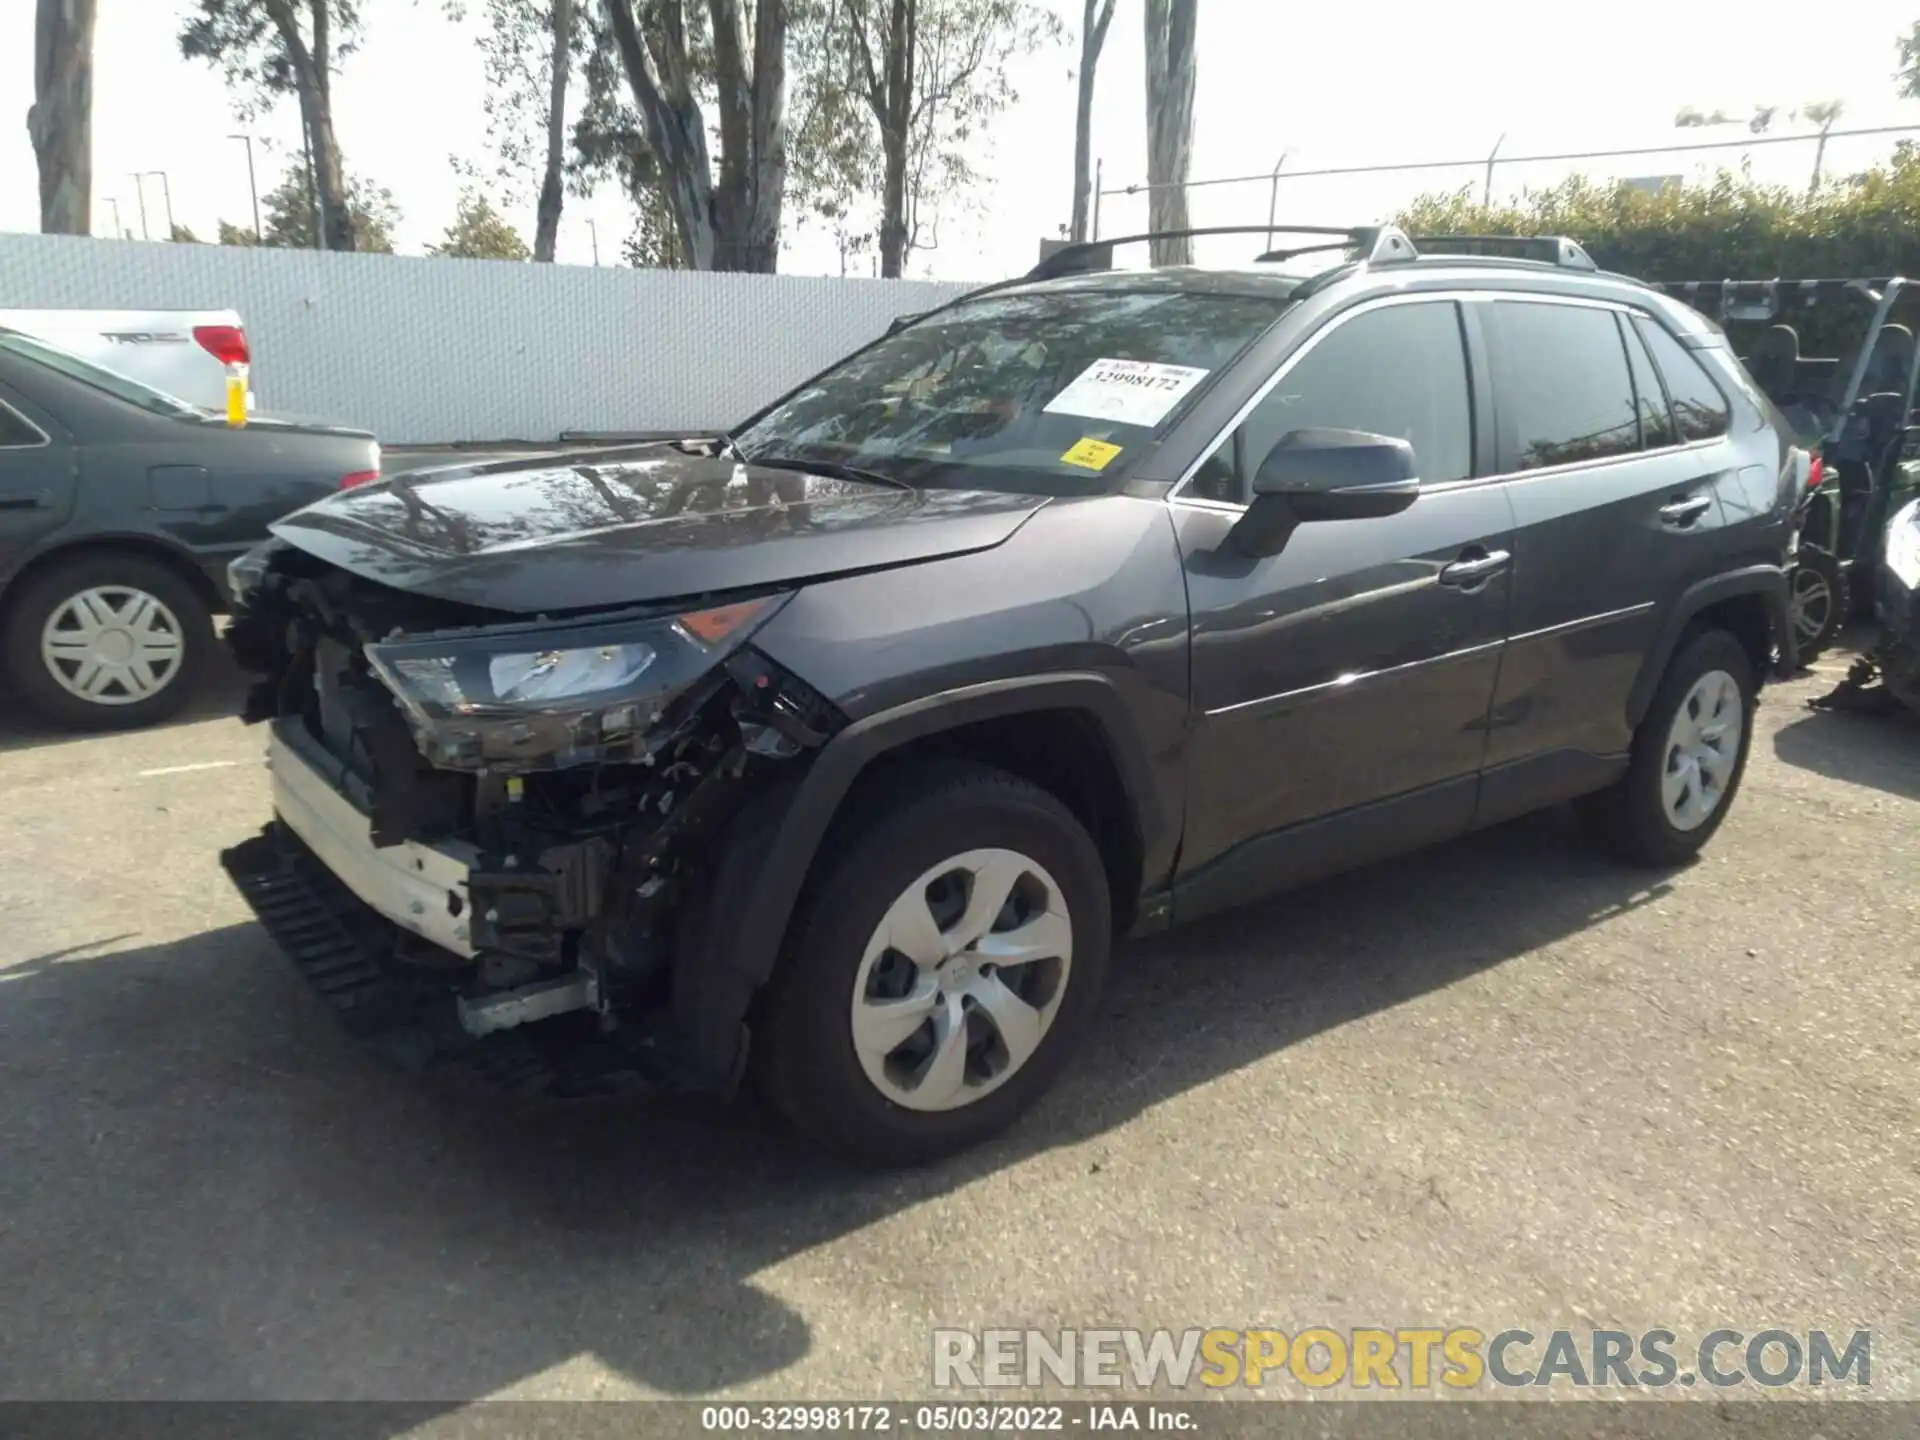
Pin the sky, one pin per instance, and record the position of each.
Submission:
(1323, 85)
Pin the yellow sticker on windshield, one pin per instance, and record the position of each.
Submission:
(1092, 454)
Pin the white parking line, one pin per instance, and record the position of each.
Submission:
(183, 769)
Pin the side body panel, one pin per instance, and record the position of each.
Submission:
(1340, 672)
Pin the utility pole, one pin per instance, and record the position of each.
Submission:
(141, 191)
(118, 233)
(166, 195)
(594, 232)
(253, 189)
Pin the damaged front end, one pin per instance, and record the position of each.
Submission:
(492, 842)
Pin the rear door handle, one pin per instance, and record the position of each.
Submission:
(1466, 573)
(1685, 512)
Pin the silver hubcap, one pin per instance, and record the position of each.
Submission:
(962, 980)
(1812, 603)
(113, 645)
(1702, 745)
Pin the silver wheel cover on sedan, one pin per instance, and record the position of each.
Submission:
(1703, 744)
(113, 645)
(962, 979)
(1810, 604)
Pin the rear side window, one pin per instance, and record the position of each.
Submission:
(1564, 384)
(1700, 411)
(1400, 370)
(1656, 421)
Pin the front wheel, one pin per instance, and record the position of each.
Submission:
(943, 965)
(1687, 760)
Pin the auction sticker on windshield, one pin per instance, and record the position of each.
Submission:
(1127, 392)
(1091, 454)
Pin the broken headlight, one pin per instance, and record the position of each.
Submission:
(547, 697)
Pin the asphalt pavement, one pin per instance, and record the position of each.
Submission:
(1504, 1083)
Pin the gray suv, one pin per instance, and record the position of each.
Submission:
(835, 752)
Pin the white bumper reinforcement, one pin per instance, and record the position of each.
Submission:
(421, 888)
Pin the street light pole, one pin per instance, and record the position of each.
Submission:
(141, 191)
(166, 196)
(253, 189)
(594, 232)
(1273, 194)
(118, 233)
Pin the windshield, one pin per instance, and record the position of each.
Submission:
(1042, 393)
(121, 387)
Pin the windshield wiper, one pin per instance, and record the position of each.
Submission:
(832, 469)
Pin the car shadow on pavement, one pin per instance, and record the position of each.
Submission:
(210, 1194)
(1881, 751)
(221, 692)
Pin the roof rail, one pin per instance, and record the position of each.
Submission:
(1559, 250)
(1091, 256)
(1376, 244)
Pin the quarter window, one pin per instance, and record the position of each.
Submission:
(1564, 381)
(1700, 410)
(15, 431)
(1400, 370)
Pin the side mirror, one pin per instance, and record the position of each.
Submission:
(1324, 474)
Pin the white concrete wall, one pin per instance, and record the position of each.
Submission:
(423, 351)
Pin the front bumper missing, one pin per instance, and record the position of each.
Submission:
(345, 951)
(421, 888)
(341, 908)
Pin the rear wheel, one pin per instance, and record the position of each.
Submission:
(1688, 757)
(1818, 601)
(107, 641)
(941, 969)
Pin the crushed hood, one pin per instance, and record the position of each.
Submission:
(608, 528)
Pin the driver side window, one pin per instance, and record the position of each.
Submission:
(1400, 370)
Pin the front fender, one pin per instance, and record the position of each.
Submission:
(734, 942)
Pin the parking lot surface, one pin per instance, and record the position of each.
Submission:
(1505, 1083)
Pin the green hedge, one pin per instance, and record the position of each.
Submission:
(1867, 225)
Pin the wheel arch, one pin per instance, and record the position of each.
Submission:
(1750, 603)
(1067, 733)
(178, 561)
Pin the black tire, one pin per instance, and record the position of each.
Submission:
(28, 612)
(1630, 819)
(804, 1058)
(1814, 563)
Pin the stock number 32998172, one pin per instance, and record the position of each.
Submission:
(922, 1419)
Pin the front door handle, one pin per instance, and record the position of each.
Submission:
(1467, 573)
(1685, 512)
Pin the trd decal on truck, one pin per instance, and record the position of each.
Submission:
(143, 337)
